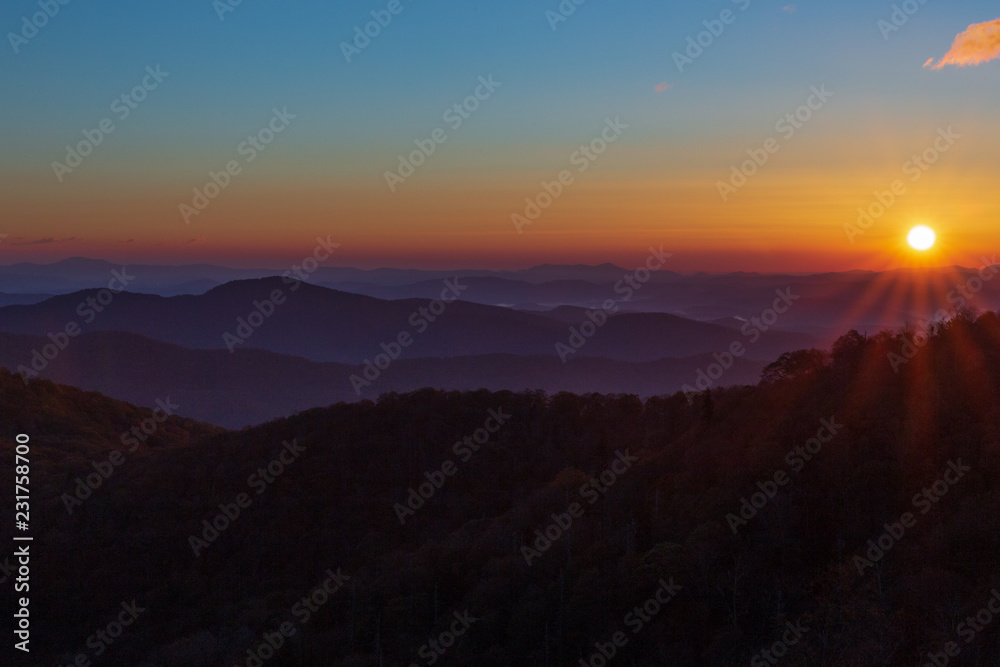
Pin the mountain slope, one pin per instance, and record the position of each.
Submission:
(254, 386)
(558, 529)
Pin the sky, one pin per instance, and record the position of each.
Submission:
(649, 132)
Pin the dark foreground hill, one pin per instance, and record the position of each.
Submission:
(845, 512)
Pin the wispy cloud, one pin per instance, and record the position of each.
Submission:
(790, 8)
(47, 240)
(980, 43)
(664, 86)
(197, 239)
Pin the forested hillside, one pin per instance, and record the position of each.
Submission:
(846, 511)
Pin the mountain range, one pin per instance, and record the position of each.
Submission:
(322, 324)
(830, 303)
(290, 345)
(253, 386)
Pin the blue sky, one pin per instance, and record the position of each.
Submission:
(353, 119)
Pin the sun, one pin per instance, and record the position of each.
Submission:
(921, 238)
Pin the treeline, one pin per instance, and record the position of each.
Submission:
(773, 515)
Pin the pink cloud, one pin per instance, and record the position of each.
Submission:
(664, 86)
(980, 43)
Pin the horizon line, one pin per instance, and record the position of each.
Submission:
(495, 270)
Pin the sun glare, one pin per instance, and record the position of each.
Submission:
(921, 238)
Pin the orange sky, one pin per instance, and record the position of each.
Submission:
(658, 182)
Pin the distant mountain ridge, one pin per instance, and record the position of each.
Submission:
(253, 386)
(326, 325)
(831, 302)
(76, 273)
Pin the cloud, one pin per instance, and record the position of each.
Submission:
(197, 239)
(790, 8)
(664, 86)
(980, 43)
(128, 241)
(46, 241)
